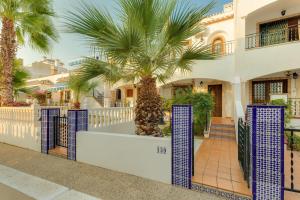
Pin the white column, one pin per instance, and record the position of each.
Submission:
(107, 95)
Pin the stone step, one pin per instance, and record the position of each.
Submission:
(223, 125)
(222, 129)
(222, 137)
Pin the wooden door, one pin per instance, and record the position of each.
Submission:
(216, 92)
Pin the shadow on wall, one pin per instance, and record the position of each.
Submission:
(123, 128)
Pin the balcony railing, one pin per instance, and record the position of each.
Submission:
(295, 106)
(223, 49)
(263, 39)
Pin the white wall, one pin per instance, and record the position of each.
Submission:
(220, 69)
(268, 60)
(136, 155)
(124, 128)
(20, 127)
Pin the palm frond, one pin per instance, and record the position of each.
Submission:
(93, 68)
(147, 41)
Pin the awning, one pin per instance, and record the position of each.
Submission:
(58, 87)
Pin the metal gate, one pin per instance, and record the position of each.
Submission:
(244, 148)
(60, 129)
(293, 153)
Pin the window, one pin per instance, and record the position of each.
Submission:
(129, 93)
(280, 31)
(261, 90)
(218, 46)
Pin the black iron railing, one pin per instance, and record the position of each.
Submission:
(295, 106)
(244, 148)
(222, 49)
(293, 148)
(60, 129)
(283, 35)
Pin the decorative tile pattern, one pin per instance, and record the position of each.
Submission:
(218, 192)
(47, 137)
(182, 145)
(267, 132)
(77, 121)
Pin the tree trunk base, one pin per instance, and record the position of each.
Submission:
(149, 109)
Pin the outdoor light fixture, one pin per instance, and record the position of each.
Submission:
(295, 75)
(283, 12)
(201, 84)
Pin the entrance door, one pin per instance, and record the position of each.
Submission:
(216, 92)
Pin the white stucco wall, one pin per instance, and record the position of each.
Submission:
(136, 155)
(123, 128)
(20, 127)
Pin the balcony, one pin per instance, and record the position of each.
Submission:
(280, 36)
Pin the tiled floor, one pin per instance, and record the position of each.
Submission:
(216, 165)
(59, 151)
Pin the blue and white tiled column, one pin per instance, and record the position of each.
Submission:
(182, 120)
(267, 151)
(47, 137)
(77, 121)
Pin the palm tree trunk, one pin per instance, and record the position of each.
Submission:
(7, 55)
(149, 108)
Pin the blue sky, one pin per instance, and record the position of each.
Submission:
(70, 46)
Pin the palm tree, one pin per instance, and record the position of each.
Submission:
(22, 21)
(20, 75)
(79, 88)
(146, 44)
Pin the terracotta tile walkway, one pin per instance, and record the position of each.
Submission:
(216, 165)
(287, 171)
(59, 151)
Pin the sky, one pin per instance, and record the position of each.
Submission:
(69, 46)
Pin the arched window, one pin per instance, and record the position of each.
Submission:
(218, 46)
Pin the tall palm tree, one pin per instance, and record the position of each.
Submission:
(21, 21)
(146, 44)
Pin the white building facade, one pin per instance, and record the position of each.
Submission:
(259, 44)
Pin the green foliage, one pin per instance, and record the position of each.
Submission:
(80, 87)
(32, 21)
(296, 141)
(20, 76)
(202, 106)
(288, 109)
(167, 104)
(147, 40)
(166, 130)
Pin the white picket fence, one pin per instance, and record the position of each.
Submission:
(104, 117)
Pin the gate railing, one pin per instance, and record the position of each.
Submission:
(295, 106)
(60, 129)
(244, 148)
(293, 151)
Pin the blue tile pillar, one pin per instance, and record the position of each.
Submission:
(77, 121)
(266, 125)
(182, 120)
(47, 137)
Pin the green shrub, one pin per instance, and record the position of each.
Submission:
(202, 106)
(288, 109)
(296, 141)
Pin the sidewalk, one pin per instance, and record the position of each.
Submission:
(98, 182)
(10, 193)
